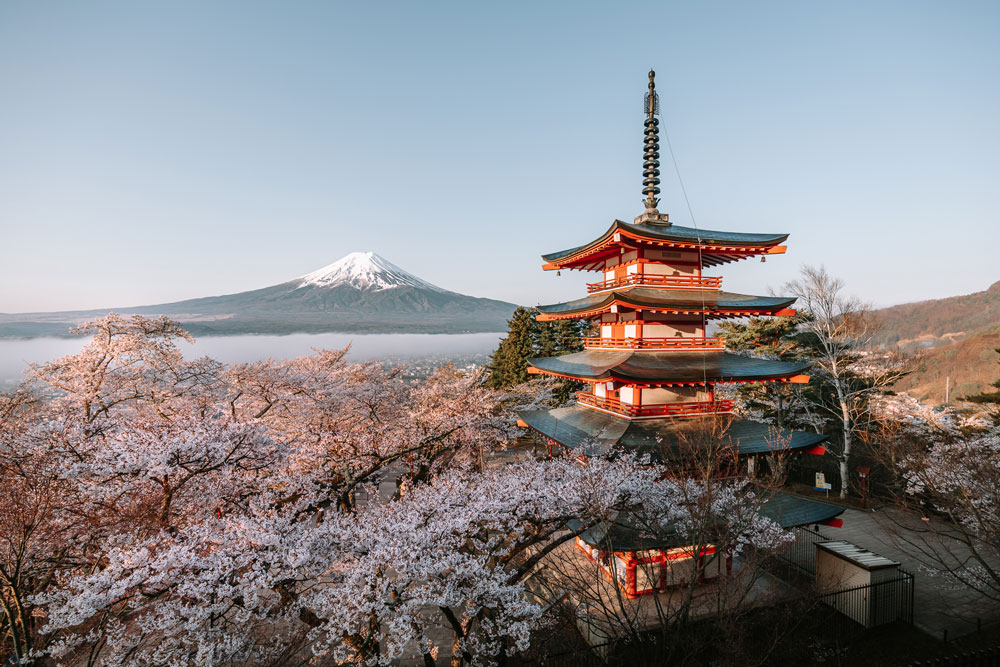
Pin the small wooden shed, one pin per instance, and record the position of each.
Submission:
(858, 576)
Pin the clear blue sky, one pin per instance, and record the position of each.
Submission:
(151, 152)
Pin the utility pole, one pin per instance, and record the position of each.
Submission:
(947, 388)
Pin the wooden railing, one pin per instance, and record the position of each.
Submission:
(667, 343)
(677, 282)
(655, 410)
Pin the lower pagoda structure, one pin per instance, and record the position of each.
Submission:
(651, 370)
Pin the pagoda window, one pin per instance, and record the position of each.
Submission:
(632, 269)
(631, 331)
(600, 390)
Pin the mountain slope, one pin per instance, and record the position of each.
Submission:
(923, 322)
(957, 338)
(361, 292)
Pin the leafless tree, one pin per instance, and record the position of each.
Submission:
(848, 371)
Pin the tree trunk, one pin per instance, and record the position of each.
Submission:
(845, 457)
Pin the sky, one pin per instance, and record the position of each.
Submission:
(153, 152)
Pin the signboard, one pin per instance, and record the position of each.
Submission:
(822, 484)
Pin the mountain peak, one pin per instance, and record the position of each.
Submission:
(366, 271)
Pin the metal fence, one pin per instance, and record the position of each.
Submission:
(877, 603)
(802, 553)
(989, 657)
(868, 605)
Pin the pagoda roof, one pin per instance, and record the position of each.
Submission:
(626, 533)
(713, 303)
(665, 368)
(721, 247)
(596, 433)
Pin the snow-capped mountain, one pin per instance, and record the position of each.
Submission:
(360, 292)
(364, 270)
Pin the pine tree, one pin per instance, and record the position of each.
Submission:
(546, 339)
(527, 338)
(778, 338)
(568, 335)
(987, 396)
(509, 363)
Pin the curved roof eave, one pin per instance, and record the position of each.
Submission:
(653, 297)
(596, 433)
(677, 234)
(665, 367)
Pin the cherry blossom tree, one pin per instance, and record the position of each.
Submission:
(948, 466)
(130, 363)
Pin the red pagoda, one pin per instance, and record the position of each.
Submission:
(652, 370)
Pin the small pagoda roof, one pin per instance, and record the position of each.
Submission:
(713, 303)
(719, 247)
(790, 511)
(665, 368)
(595, 433)
(625, 532)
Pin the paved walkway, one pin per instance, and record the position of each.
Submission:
(939, 604)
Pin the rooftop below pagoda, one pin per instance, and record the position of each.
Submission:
(712, 303)
(594, 433)
(666, 368)
(626, 533)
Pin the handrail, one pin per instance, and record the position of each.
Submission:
(680, 282)
(656, 410)
(664, 343)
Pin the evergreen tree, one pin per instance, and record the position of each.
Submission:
(546, 339)
(568, 335)
(777, 338)
(509, 363)
(526, 338)
(987, 396)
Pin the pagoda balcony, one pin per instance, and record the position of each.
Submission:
(688, 409)
(651, 280)
(672, 343)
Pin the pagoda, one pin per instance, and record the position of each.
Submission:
(651, 369)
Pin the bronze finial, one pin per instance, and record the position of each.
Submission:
(651, 156)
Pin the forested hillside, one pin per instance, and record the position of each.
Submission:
(957, 338)
(968, 366)
(941, 320)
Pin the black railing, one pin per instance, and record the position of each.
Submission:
(802, 553)
(987, 657)
(876, 603)
(869, 605)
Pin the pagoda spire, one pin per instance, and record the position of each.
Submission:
(651, 157)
